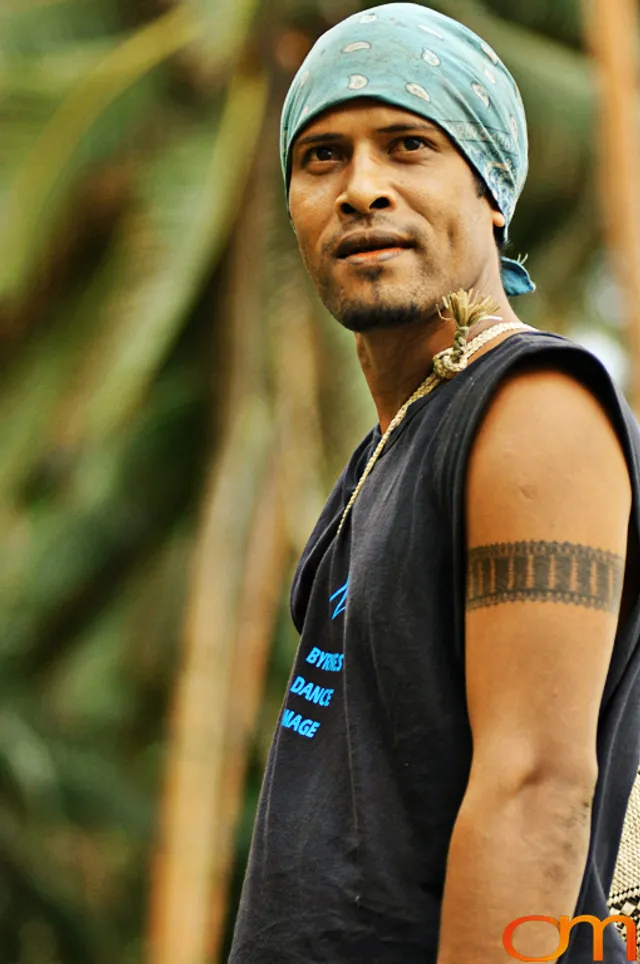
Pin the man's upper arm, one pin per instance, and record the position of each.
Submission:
(548, 499)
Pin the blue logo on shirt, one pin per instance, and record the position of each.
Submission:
(341, 595)
(309, 690)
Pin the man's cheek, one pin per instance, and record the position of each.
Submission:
(308, 260)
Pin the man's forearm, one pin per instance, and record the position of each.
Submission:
(512, 856)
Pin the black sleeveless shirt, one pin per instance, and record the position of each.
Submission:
(372, 753)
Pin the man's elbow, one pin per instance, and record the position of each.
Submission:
(571, 782)
(545, 816)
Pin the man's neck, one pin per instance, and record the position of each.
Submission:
(395, 361)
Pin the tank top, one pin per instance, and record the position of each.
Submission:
(372, 751)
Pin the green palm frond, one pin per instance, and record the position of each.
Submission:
(89, 373)
(39, 887)
(31, 28)
(26, 764)
(52, 75)
(108, 504)
(33, 386)
(224, 29)
(82, 130)
(189, 196)
(559, 19)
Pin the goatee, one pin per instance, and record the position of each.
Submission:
(362, 317)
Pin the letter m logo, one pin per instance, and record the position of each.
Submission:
(598, 932)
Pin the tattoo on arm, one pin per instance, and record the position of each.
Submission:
(544, 572)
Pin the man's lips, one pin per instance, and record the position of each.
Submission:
(374, 244)
(369, 257)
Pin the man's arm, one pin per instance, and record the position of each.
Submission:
(548, 499)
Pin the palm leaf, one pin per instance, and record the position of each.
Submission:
(190, 195)
(89, 378)
(225, 28)
(51, 76)
(36, 381)
(558, 19)
(74, 544)
(39, 887)
(30, 28)
(27, 765)
(39, 188)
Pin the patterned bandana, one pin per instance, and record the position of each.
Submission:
(414, 58)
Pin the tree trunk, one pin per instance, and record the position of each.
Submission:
(612, 35)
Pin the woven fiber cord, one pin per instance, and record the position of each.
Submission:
(446, 365)
(624, 895)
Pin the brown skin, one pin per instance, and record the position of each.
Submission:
(349, 174)
(546, 465)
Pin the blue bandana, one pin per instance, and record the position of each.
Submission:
(414, 58)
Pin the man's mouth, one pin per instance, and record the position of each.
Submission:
(377, 254)
(372, 247)
(369, 257)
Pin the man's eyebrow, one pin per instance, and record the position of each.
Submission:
(409, 126)
(390, 129)
(316, 138)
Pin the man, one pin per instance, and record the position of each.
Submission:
(461, 729)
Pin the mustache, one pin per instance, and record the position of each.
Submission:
(379, 226)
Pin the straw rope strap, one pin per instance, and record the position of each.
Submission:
(624, 895)
(446, 365)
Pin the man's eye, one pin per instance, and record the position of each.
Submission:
(320, 154)
(412, 144)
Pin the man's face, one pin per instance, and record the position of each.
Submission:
(387, 215)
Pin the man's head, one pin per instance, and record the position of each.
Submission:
(366, 176)
(391, 140)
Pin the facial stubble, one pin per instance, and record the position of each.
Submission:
(377, 311)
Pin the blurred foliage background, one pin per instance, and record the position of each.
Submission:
(176, 405)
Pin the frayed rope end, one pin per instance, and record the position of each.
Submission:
(466, 308)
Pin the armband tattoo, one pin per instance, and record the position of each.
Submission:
(560, 572)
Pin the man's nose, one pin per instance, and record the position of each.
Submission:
(367, 186)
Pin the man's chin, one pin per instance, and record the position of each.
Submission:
(363, 317)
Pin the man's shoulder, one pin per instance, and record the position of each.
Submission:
(547, 419)
(537, 388)
(556, 397)
(546, 368)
